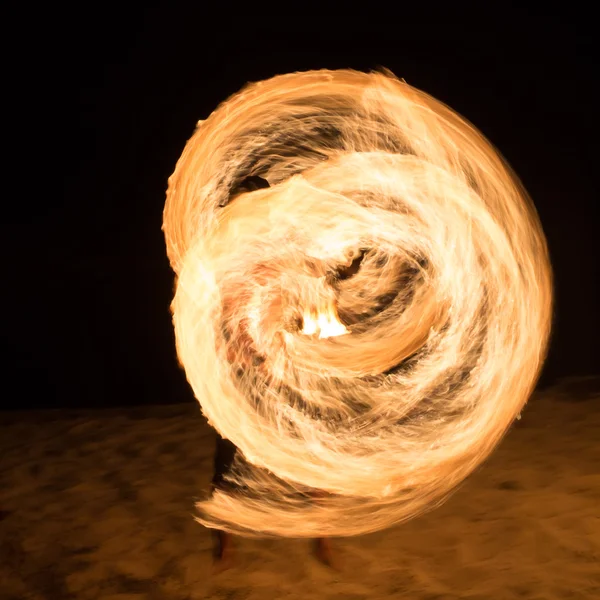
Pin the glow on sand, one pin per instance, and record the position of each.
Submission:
(357, 401)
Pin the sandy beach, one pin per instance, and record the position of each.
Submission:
(100, 504)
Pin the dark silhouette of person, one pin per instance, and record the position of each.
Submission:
(225, 451)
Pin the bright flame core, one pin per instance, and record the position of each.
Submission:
(377, 392)
(325, 323)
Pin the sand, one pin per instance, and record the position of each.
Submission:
(99, 505)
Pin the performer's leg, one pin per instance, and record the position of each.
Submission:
(224, 457)
(322, 546)
(324, 552)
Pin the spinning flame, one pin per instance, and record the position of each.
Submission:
(366, 329)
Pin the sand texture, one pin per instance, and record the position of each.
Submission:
(99, 505)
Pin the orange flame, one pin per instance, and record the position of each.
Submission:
(445, 221)
(326, 323)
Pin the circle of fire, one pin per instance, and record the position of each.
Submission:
(367, 328)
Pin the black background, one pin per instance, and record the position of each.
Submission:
(111, 98)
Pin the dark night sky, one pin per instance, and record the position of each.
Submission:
(87, 309)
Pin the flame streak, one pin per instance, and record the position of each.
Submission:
(445, 321)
